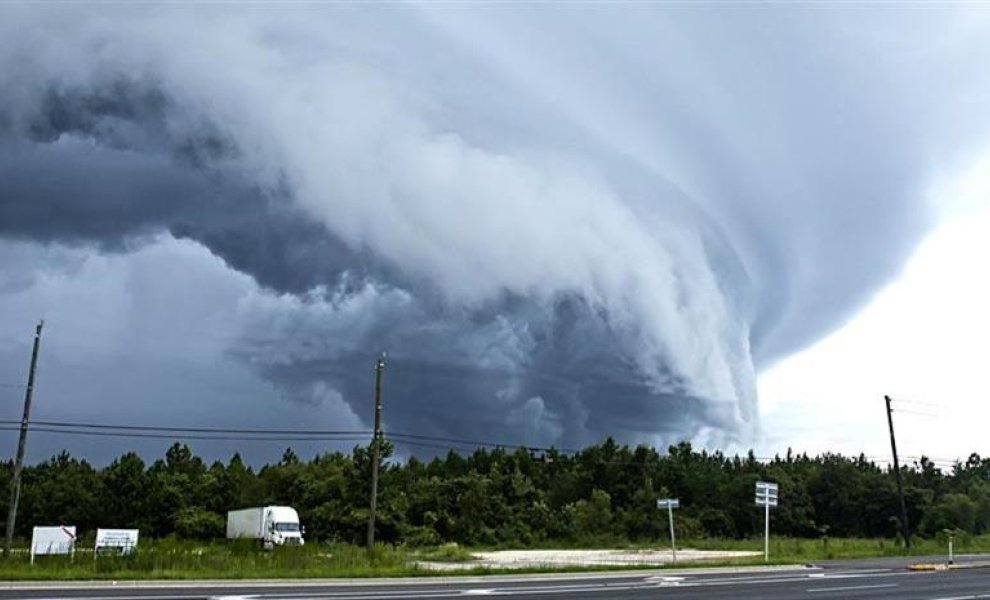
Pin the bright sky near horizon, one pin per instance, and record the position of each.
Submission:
(923, 340)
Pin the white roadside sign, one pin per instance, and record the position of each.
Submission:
(766, 496)
(117, 541)
(53, 540)
(766, 493)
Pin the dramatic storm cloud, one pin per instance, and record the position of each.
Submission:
(561, 223)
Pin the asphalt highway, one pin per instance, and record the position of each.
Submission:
(885, 578)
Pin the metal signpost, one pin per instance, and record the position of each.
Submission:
(950, 533)
(766, 496)
(670, 504)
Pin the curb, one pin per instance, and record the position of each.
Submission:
(947, 566)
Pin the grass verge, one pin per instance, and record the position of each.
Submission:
(169, 559)
(803, 550)
(172, 559)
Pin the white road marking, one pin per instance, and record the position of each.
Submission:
(169, 597)
(664, 581)
(364, 593)
(849, 588)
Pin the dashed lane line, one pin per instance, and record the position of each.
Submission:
(849, 588)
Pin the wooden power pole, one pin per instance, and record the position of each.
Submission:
(905, 530)
(376, 450)
(15, 482)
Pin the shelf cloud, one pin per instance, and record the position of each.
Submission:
(561, 223)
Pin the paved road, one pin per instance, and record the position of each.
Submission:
(879, 578)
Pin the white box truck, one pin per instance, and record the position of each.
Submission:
(270, 525)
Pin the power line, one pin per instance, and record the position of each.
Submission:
(431, 446)
(918, 402)
(185, 436)
(904, 411)
(357, 438)
(77, 425)
(474, 443)
(411, 439)
(68, 426)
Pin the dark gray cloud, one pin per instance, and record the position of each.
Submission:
(98, 165)
(560, 223)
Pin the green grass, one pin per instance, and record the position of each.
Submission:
(784, 549)
(171, 559)
(446, 553)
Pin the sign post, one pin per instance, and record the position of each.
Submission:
(670, 504)
(766, 496)
(950, 533)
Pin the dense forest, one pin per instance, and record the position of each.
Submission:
(604, 493)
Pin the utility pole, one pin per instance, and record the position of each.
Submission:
(905, 531)
(15, 482)
(376, 450)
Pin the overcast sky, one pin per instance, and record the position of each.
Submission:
(738, 225)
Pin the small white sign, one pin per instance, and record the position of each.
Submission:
(766, 493)
(53, 540)
(766, 496)
(668, 503)
(118, 541)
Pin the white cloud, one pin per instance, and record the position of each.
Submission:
(923, 341)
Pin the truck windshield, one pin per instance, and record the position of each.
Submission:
(293, 527)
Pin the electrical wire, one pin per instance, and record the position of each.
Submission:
(186, 436)
(918, 402)
(316, 435)
(904, 411)
(431, 446)
(217, 430)
(474, 443)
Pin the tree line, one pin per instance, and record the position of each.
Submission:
(604, 493)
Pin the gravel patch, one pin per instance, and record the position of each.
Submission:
(537, 559)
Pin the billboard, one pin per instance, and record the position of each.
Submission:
(53, 540)
(115, 541)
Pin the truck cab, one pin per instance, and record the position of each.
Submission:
(282, 526)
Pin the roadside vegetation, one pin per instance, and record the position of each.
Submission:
(604, 496)
(178, 559)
